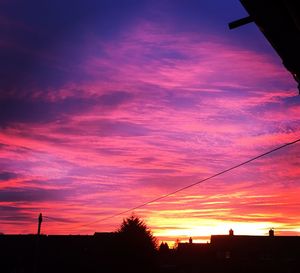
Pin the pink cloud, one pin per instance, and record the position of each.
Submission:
(196, 105)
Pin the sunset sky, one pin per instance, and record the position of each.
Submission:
(105, 105)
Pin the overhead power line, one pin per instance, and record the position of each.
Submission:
(191, 185)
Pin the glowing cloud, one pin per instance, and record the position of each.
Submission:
(98, 127)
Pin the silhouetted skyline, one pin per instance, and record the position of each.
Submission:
(129, 250)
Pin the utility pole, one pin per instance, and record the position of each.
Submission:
(37, 247)
(40, 220)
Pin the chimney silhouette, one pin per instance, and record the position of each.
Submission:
(271, 232)
(231, 232)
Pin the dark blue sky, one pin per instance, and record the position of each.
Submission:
(47, 38)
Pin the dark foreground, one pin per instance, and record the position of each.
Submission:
(106, 252)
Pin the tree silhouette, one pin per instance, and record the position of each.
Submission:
(136, 231)
(138, 245)
(164, 247)
(176, 244)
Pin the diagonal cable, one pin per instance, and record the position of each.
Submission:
(193, 184)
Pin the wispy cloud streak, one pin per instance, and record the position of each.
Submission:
(139, 114)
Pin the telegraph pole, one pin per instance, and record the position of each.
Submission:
(37, 247)
(40, 220)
